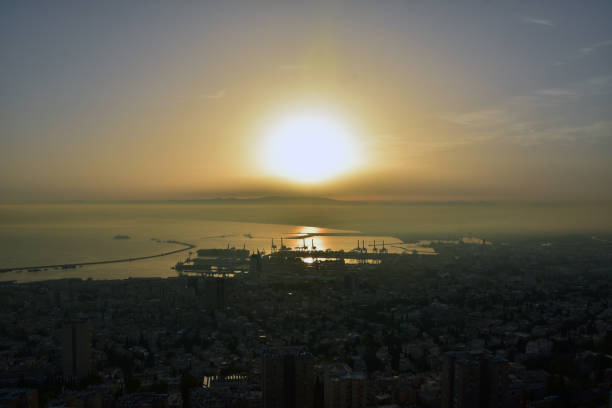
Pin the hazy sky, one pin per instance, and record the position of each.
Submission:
(446, 100)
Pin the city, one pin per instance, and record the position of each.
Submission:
(508, 324)
(306, 204)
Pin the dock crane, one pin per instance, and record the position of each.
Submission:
(273, 247)
(383, 250)
(312, 245)
(283, 247)
(374, 247)
(303, 247)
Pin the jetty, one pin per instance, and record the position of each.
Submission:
(186, 247)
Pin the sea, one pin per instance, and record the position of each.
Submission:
(37, 235)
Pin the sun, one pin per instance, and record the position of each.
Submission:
(309, 147)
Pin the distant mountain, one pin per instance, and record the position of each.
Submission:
(303, 200)
(264, 200)
(323, 200)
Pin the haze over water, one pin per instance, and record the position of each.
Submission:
(52, 234)
(33, 235)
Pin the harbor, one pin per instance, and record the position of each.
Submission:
(186, 247)
(227, 262)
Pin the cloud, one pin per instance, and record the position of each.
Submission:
(528, 130)
(557, 92)
(541, 116)
(601, 85)
(550, 97)
(585, 52)
(479, 118)
(537, 21)
(544, 98)
(568, 134)
(294, 67)
(219, 94)
(399, 143)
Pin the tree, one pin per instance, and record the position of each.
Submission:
(160, 387)
(132, 384)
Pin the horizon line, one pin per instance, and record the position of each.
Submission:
(238, 199)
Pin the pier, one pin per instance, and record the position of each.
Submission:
(186, 245)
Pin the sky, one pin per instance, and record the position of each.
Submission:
(444, 100)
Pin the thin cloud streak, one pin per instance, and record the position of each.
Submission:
(294, 67)
(520, 118)
(214, 95)
(537, 21)
(585, 52)
(557, 92)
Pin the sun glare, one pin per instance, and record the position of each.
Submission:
(309, 148)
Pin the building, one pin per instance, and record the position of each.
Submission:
(344, 388)
(220, 287)
(76, 350)
(288, 378)
(467, 384)
(19, 397)
(143, 400)
(496, 381)
(83, 399)
(255, 266)
(221, 392)
(215, 292)
(351, 282)
(474, 379)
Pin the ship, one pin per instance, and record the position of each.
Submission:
(223, 253)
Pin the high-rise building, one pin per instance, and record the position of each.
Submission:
(468, 385)
(220, 287)
(255, 266)
(474, 379)
(288, 378)
(76, 350)
(447, 379)
(215, 292)
(496, 380)
(351, 282)
(344, 388)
